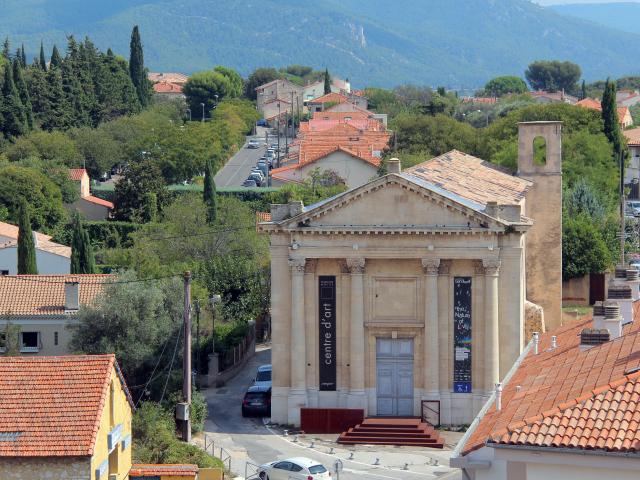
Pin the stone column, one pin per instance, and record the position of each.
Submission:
(311, 330)
(477, 338)
(356, 334)
(445, 340)
(431, 365)
(491, 318)
(297, 393)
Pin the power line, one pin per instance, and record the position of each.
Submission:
(151, 377)
(175, 349)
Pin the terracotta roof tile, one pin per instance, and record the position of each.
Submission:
(99, 201)
(44, 294)
(171, 77)
(76, 174)
(590, 394)
(591, 103)
(51, 406)
(330, 98)
(168, 470)
(167, 87)
(471, 178)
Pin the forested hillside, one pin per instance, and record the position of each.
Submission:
(456, 43)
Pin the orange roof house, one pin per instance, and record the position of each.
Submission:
(168, 77)
(624, 114)
(570, 401)
(168, 89)
(169, 471)
(43, 306)
(64, 417)
(91, 207)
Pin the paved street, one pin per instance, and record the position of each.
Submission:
(249, 440)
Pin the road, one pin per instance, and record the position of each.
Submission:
(250, 440)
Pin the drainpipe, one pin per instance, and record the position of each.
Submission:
(498, 397)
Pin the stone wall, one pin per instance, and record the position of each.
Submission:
(45, 468)
(533, 320)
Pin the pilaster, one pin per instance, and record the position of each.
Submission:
(298, 392)
(356, 335)
(492, 335)
(431, 366)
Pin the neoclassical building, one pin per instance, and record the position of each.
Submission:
(411, 287)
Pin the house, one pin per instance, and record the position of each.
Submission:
(480, 100)
(43, 307)
(168, 91)
(51, 257)
(413, 286)
(278, 91)
(632, 170)
(541, 96)
(64, 417)
(316, 89)
(627, 98)
(92, 208)
(350, 107)
(168, 77)
(325, 101)
(569, 408)
(625, 119)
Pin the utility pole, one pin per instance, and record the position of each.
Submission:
(622, 229)
(286, 127)
(197, 310)
(278, 152)
(186, 361)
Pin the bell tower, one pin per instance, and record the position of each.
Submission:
(540, 161)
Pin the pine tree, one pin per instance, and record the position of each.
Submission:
(327, 81)
(610, 116)
(56, 59)
(43, 60)
(77, 85)
(114, 89)
(136, 69)
(26, 246)
(14, 120)
(21, 86)
(82, 260)
(57, 113)
(209, 194)
(38, 89)
(6, 49)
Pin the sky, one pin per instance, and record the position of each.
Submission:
(564, 2)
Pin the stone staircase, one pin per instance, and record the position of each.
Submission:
(392, 431)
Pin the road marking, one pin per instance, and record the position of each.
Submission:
(264, 421)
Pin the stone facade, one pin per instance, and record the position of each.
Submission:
(49, 468)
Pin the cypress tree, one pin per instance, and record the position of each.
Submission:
(82, 260)
(56, 59)
(583, 91)
(21, 86)
(6, 49)
(38, 89)
(77, 86)
(57, 113)
(23, 57)
(26, 246)
(610, 116)
(43, 60)
(327, 81)
(115, 91)
(14, 120)
(137, 71)
(209, 193)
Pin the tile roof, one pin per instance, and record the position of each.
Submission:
(76, 174)
(483, 100)
(330, 98)
(167, 87)
(263, 216)
(471, 178)
(590, 103)
(632, 136)
(44, 294)
(52, 405)
(168, 470)
(567, 392)
(99, 201)
(171, 77)
(43, 241)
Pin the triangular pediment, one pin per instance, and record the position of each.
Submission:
(393, 201)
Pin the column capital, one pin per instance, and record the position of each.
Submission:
(310, 265)
(445, 267)
(430, 266)
(297, 264)
(491, 266)
(356, 265)
(344, 268)
(478, 266)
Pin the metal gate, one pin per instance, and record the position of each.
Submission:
(394, 375)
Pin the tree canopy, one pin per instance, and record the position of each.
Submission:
(210, 87)
(553, 75)
(506, 85)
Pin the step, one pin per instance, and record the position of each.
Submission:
(427, 429)
(396, 422)
(365, 438)
(396, 443)
(386, 435)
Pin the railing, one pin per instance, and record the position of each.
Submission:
(431, 412)
(235, 355)
(251, 471)
(221, 453)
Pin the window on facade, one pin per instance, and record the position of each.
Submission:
(3, 342)
(4, 273)
(30, 342)
(55, 338)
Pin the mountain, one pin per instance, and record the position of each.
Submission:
(623, 16)
(456, 43)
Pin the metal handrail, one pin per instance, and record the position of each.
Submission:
(248, 475)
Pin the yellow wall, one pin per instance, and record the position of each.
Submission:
(210, 474)
(121, 415)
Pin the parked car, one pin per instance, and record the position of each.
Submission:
(263, 376)
(298, 468)
(263, 168)
(635, 263)
(256, 177)
(249, 182)
(253, 144)
(257, 401)
(262, 123)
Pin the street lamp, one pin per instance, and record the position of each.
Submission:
(213, 300)
(486, 116)
(202, 105)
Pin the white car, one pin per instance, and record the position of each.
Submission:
(253, 144)
(263, 376)
(298, 468)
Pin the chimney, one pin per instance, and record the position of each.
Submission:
(633, 279)
(613, 321)
(554, 342)
(621, 295)
(536, 342)
(590, 337)
(598, 315)
(498, 397)
(71, 296)
(393, 165)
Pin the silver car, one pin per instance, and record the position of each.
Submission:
(298, 468)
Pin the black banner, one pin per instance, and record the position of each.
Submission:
(462, 334)
(327, 333)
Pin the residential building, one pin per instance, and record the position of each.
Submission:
(632, 170)
(325, 101)
(51, 257)
(412, 287)
(480, 100)
(90, 207)
(275, 93)
(64, 417)
(627, 98)
(316, 89)
(569, 406)
(168, 91)
(350, 107)
(625, 119)
(43, 307)
(168, 77)
(541, 96)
